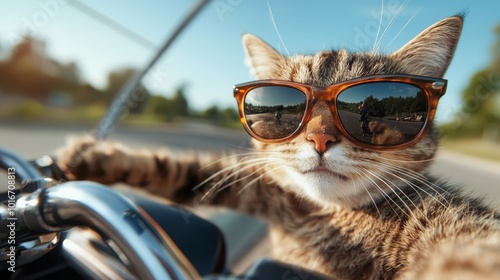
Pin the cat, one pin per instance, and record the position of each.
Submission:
(337, 208)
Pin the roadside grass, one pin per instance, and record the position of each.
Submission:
(476, 147)
(32, 112)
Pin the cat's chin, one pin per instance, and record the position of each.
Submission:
(321, 172)
(326, 188)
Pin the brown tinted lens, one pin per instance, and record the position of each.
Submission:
(383, 113)
(274, 112)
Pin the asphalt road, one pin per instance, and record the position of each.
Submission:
(35, 139)
(31, 140)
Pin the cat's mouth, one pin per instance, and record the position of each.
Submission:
(323, 171)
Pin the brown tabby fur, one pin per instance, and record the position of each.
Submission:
(348, 212)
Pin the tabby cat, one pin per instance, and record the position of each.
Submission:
(341, 205)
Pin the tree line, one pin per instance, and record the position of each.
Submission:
(480, 112)
(389, 106)
(29, 73)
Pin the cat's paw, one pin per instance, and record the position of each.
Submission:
(85, 158)
(72, 158)
(383, 135)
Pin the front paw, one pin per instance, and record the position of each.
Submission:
(85, 158)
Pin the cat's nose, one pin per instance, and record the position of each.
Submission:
(320, 141)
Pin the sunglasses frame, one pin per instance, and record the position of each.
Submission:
(433, 88)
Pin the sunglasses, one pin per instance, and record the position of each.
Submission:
(377, 112)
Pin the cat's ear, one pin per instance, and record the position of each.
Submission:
(430, 53)
(262, 59)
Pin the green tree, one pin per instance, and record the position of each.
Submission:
(161, 107)
(230, 115)
(496, 51)
(227, 116)
(180, 103)
(212, 113)
(481, 97)
(116, 81)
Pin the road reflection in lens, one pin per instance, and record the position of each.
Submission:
(383, 113)
(274, 112)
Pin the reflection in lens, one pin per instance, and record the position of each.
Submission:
(383, 113)
(274, 112)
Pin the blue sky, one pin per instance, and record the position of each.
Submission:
(208, 57)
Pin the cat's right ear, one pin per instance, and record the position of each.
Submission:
(430, 53)
(262, 59)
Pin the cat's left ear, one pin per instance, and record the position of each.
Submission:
(430, 53)
(263, 59)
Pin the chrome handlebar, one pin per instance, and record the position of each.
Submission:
(24, 170)
(43, 209)
(149, 250)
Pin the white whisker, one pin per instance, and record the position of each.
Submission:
(387, 183)
(275, 27)
(403, 28)
(367, 191)
(420, 189)
(255, 154)
(377, 44)
(405, 160)
(385, 195)
(231, 156)
(379, 25)
(258, 178)
(223, 187)
(247, 164)
(416, 176)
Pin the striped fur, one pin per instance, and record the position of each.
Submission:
(366, 215)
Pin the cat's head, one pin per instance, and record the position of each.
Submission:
(345, 174)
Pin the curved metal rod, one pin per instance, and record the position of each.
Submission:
(152, 254)
(119, 105)
(22, 169)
